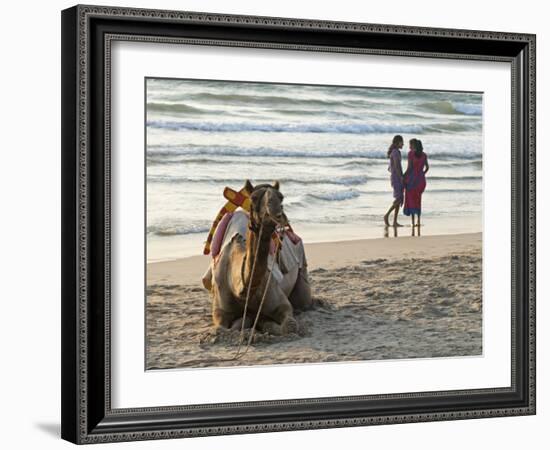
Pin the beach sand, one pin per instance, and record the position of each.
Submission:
(389, 298)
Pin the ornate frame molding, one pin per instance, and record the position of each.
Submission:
(77, 414)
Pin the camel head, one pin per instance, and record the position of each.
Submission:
(266, 205)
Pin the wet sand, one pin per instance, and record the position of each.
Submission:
(406, 297)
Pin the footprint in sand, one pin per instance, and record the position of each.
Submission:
(441, 292)
(435, 311)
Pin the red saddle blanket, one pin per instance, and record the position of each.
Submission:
(217, 241)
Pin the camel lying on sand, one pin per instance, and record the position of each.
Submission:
(245, 259)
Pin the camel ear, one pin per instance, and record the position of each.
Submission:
(248, 186)
(276, 185)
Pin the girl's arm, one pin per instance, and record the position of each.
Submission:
(426, 166)
(409, 166)
(397, 166)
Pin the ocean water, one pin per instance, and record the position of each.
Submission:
(325, 144)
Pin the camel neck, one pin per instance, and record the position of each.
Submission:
(260, 268)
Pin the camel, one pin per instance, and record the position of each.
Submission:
(245, 260)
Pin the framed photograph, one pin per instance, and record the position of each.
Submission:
(278, 224)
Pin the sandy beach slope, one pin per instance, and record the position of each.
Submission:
(406, 297)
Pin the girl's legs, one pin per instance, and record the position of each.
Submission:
(418, 224)
(395, 224)
(394, 206)
(412, 218)
(387, 215)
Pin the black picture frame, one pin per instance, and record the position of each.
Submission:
(87, 33)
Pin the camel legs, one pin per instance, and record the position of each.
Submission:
(277, 313)
(222, 317)
(300, 297)
(276, 317)
(237, 324)
(272, 327)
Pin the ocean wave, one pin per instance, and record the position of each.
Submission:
(473, 158)
(337, 196)
(176, 108)
(337, 219)
(314, 112)
(199, 151)
(469, 109)
(183, 109)
(299, 127)
(339, 181)
(170, 229)
(475, 162)
(452, 178)
(305, 201)
(452, 191)
(232, 127)
(272, 100)
(175, 227)
(431, 190)
(453, 127)
(446, 107)
(261, 152)
(446, 159)
(161, 159)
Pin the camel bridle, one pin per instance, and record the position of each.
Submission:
(255, 211)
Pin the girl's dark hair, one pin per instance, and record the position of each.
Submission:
(416, 144)
(397, 139)
(418, 148)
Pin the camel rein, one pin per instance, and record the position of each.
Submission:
(238, 353)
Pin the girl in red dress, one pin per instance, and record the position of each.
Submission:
(415, 180)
